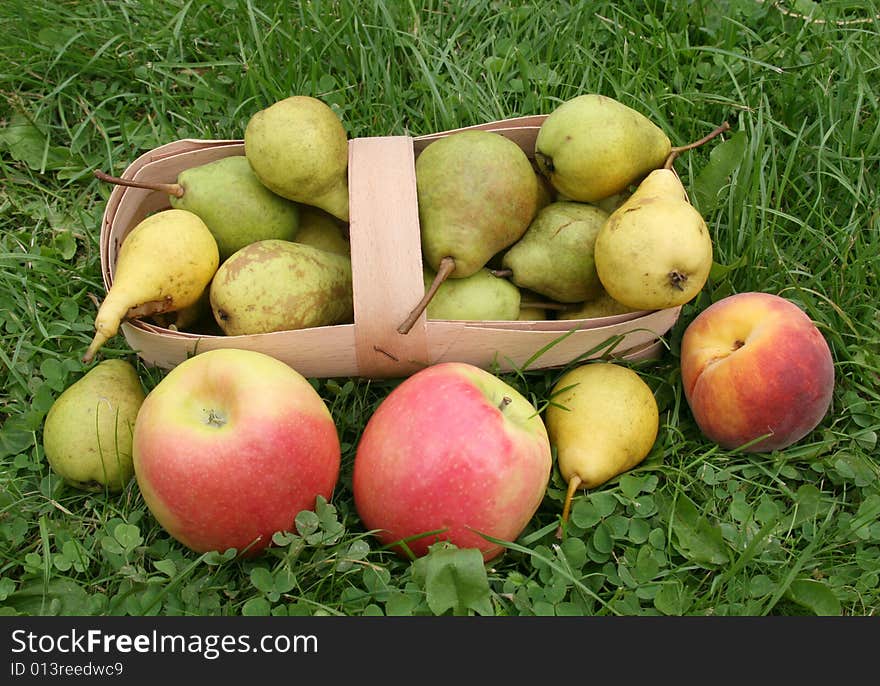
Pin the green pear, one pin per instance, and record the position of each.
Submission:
(276, 285)
(477, 193)
(226, 194)
(164, 264)
(612, 202)
(87, 432)
(298, 148)
(546, 192)
(593, 146)
(532, 313)
(322, 230)
(237, 207)
(554, 257)
(482, 295)
(602, 420)
(655, 250)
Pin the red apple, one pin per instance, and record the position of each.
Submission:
(230, 446)
(451, 453)
(753, 365)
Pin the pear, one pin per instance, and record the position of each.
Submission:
(655, 250)
(276, 285)
(593, 146)
(532, 313)
(546, 192)
(612, 202)
(477, 194)
(87, 432)
(230, 199)
(481, 295)
(603, 305)
(322, 230)
(189, 318)
(554, 257)
(298, 148)
(164, 264)
(602, 420)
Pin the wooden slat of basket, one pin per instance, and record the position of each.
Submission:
(386, 256)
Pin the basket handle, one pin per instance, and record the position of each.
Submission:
(386, 255)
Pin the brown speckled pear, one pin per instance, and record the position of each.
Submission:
(276, 285)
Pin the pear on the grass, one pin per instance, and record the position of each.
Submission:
(593, 146)
(164, 264)
(554, 257)
(298, 147)
(276, 285)
(226, 194)
(477, 193)
(482, 295)
(87, 432)
(603, 420)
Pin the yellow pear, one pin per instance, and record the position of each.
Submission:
(87, 432)
(164, 264)
(603, 420)
(654, 251)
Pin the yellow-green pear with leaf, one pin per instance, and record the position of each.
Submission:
(593, 146)
(87, 433)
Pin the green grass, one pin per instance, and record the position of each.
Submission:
(791, 199)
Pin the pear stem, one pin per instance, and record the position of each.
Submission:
(502, 273)
(446, 267)
(573, 485)
(174, 189)
(676, 151)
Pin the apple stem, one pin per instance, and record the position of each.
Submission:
(446, 267)
(573, 484)
(174, 189)
(505, 401)
(676, 151)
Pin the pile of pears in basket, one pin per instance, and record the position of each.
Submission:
(591, 222)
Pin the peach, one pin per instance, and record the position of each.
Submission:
(757, 373)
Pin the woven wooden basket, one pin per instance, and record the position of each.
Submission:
(387, 279)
